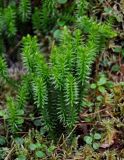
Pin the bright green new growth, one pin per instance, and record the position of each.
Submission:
(71, 100)
(41, 99)
(23, 93)
(58, 88)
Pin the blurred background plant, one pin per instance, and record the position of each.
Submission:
(62, 54)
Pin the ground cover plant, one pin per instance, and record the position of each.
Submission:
(61, 74)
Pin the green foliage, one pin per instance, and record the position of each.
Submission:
(25, 10)
(71, 100)
(4, 74)
(23, 94)
(41, 98)
(14, 115)
(50, 15)
(56, 89)
(82, 7)
(1, 3)
(2, 140)
(3, 69)
(36, 20)
(102, 84)
(34, 145)
(2, 47)
(59, 88)
(28, 52)
(44, 18)
(90, 25)
(47, 16)
(52, 93)
(85, 58)
(1, 21)
(62, 1)
(93, 140)
(69, 73)
(9, 20)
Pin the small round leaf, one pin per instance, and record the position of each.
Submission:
(57, 34)
(32, 147)
(96, 146)
(93, 86)
(21, 157)
(88, 140)
(40, 154)
(62, 1)
(97, 136)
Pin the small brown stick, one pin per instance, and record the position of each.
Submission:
(12, 50)
(91, 114)
(8, 157)
(68, 135)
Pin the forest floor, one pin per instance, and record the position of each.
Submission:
(100, 130)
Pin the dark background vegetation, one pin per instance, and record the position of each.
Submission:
(98, 134)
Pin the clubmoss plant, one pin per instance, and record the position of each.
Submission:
(58, 87)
